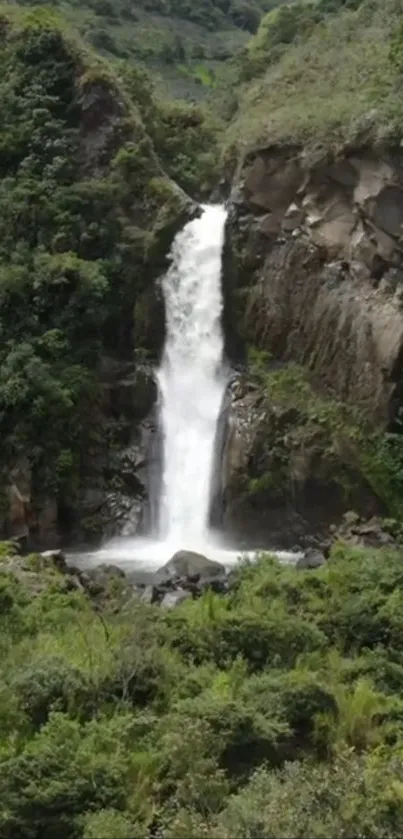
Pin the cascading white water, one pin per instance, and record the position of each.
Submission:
(191, 378)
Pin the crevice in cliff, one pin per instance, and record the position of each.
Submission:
(234, 343)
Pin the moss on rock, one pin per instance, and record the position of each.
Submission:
(296, 459)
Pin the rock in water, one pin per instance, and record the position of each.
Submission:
(173, 598)
(312, 559)
(58, 559)
(188, 564)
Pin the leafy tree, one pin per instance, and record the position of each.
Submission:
(77, 250)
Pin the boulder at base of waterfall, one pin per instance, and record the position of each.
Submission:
(312, 558)
(173, 598)
(105, 581)
(149, 595)
(370, 533)
(57, 558)
(194, 567)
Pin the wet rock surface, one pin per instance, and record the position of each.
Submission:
(370, 533)
(354, 531)
(284, 472)
(174, 598)
(107, 583)
(312, 558)
(187, 574)
(189, 564)
(101, 584)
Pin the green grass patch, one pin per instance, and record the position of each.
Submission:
(333, 81)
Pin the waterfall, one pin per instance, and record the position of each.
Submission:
(192, 381)
(191, 378)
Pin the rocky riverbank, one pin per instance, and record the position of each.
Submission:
(187, 575)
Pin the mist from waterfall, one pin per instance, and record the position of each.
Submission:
(192, 378)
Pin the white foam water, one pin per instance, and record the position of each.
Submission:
(192, 380)
(143, 556)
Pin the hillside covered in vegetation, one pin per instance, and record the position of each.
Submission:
(320, 74)
(87, 213)
(184, 43)
(274, 710)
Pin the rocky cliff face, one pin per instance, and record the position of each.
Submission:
(319, 268)
(289, 471)
(313, 277)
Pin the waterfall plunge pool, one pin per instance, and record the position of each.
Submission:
(140, 557)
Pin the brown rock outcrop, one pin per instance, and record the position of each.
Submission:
(316, 274)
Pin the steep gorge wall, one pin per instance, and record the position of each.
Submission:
(319, 269)
(313, 277)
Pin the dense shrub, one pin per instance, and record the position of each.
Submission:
(270, 711)
(62, 772)
(50, 684)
